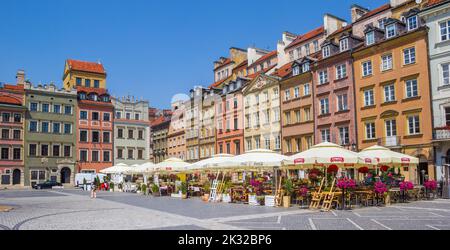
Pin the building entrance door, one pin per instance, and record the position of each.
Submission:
(65, 175)
(16, 177)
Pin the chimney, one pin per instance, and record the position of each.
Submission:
(395, 3)
(358, 12)
(332, 23)
(20, 77)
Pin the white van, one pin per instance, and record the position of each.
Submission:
(89, 177)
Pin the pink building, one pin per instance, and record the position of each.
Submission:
(12, 111)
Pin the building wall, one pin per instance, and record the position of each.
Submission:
(235, 136)
(51, 165)
(359, 26)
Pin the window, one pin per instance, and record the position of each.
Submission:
(305, 67)
(287, 94)
(5, 134)
(56, 150)
(95, 136)
(17, 154)
(32, 150)
(130, 153)
(141, 134)
(389, 93)
(33, 106)
(370, 38)
(386, 62)
(445, 74)
(447, 116)
(95, 157)
(56, 108)
(343, 44)
(445, 30)
(277, 142)
(248, 141)
(136, 117)
(324, 108)
(120, 153)
(257, 142)
(370, 130)
(298, 116)
(291, 57)
(369, 98)
(5, 153)
(288, 145)
(83, 156)
(6, 117)
(326, 136)
(140, 154)
(412, 23)
(106, 156)
(83, 136)
(87, 83)
(306, 89)
(78, 81)
(307, 114)
(296, 92)
(299, 52)
(96, 84)
(67, 151)
(95, 116)
(16, 134)
(344, 135)
(56, 127)
(67, 128)
(342, 102)
(45, 107)
(17, 117)
(83, 115)
(296, 71)
(256, 120)
(316, 45)
(33, 126)
(307, 49)
(68, 110)
(390, 31)
(381, 23)
(118, 115)
(128, 116)
(130, 134)
(411, 88)
(413, 125)
(235, 123)
(391, 127)
(367, 68)
(276, 115)
(323, 77)
(326, 51)
(409, 56)
(298, 143)
(275, 93)
(341, 71)
(106, 117)
(267, 116)
(82, 96)
(287, 116)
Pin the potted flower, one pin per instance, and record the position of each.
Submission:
(144, 189)
(206, 190)
(303, 193)
(345, 184)
(430, 188)
(155, 190)
(111, 187)
(288, 190)
(226, 192)
(405, 186)
(183, 188)
(380, 189)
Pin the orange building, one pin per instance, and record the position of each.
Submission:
(393, 91)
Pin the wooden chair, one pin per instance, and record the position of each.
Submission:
(329, 198)
(317, 197)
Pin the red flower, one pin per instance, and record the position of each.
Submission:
(384, 168)
(363, 170)
(332, 169)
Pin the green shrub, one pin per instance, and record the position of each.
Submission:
(111, 186)
(144, 188)
(155, 188)
(183, 188)
(288, 187)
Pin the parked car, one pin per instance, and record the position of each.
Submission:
(47, 185)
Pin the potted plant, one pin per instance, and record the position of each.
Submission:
(183, 188)
(206, 189)
(155, 190)
(345, 184)
(111, 187)
(226, 192)
(144, 189)
(288, 189)
(405, 186)
(380, 190)
(430, 188)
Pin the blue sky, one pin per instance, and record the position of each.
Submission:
(152, 49)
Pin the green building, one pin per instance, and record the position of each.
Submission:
(50, 134)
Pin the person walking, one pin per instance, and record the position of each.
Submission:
(93, 190)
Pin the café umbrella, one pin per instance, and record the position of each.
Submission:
(171, 165)
(384, 156)
(143, 168)
(120, 168)
(256, 159)
(215, 162)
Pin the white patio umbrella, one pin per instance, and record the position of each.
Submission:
(217, 161)
(143, 168)
(384, 156)
(120, 168)
(258, 158)
(171, 165)
(326, 154)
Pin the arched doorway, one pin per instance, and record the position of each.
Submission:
(16, 177)
(422, 169)
(65, 175)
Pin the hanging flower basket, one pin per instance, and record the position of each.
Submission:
(363, 170)
(384, 168)
(332, 169)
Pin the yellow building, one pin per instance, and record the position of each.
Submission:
(86, 74)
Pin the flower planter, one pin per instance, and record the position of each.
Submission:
(205, 197)
(286, 201)
(269, 201)
(252, 200)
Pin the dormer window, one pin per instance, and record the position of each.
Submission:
(305, 67)
(370, 38)
(105, 98)
(391, 31)
(82, 96)
(381, 22)
(343, 44)
(296, 70)
(94, 97)
(412, 23)
(326, 51)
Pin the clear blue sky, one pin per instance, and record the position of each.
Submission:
(153, 49)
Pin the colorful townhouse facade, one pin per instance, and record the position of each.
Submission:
(50, 134)
(193, 123)
(160, 131)
(12, 112)
(131, 130)
(207, 128)
(393, 96)
(83, 74)
(176, 136)
(436, 16)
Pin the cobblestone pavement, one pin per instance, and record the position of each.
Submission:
(73, 209)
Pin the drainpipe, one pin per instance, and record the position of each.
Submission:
(355, 123)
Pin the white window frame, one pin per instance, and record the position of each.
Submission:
(409, 88)
(391, 27)
(373, 132)
(342, 102)
(387, 62)
(344, 44)
(341, 71)
(369, 97)
(306, 89)
(370, 38)
(326, 51)
(444, 26)
(325, 135)
(367, 69)
(412, 25)
(389, 92)
(445, 74)
(409, 56)
(416, 122)
(323, 77)
(324, 106)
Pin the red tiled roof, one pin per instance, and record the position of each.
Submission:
(342, 29)
(18, 87)
(284, 70)
(158, 121)
(374, 12)
(264, 58)
(107, 104)
(216, 84)
(99, 91)
(10, 100)
(434, 2)
(254, 75)
(86, 66)
(226, 62)
(241, 65)
(305, 37)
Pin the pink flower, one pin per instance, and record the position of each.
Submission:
(346, 183)
(380, 187)
(406, 185)
(431, 185)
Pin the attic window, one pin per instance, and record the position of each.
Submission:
(343, 44)
(390, 31)
(412, 23)
(326, 51)
(305, 67)
(296, 70)
(370, 38)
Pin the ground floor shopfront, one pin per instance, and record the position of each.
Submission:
(62, 171)
(11, 175)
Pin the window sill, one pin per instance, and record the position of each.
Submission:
(342, 111)
(368, 107)
(444, 87)
(370, 140)
(324, 115)
(413, 136)
(323, 84)
(387, 70)
(388, 103)
(409, 99)
(367, 76)
(341, 79)
(409, 64)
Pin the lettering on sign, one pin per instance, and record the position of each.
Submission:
(337, 159)
(299, 160)
(405, 159)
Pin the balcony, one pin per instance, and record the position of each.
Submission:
(441, 134)
(390, 141)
